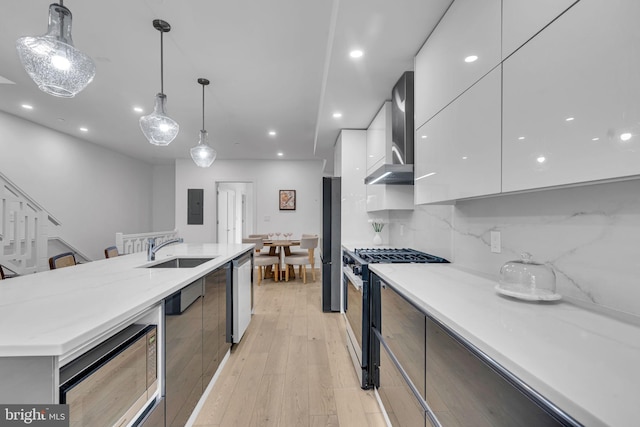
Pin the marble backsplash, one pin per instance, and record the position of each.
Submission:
(590, 235)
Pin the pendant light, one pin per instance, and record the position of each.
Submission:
(159, 128)
(202, 154)
(51, 61)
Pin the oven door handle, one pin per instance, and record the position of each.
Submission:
(355, 281)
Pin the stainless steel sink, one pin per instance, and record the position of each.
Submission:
(181, 263)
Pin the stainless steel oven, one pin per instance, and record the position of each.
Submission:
(359, 301)
(356, 311)
(111, 383)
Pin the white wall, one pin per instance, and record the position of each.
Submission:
(93, 191)
(268, 177)
(590, 235)
(163, 214)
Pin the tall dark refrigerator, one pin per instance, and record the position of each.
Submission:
(331, 246)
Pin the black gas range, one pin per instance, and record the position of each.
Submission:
(391, 255)
(359, 301)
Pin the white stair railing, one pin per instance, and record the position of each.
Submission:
(24, 228)
(131, 243)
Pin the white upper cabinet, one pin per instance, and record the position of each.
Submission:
(522, 19)
(379, 138)
(444, 67)
(571, 99)
(458, 151)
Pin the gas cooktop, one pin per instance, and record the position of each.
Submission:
(392, 255)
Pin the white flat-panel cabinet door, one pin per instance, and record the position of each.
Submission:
(379, 138)
(458, 151)
(469, 28)
(522, 19)
(571, 99)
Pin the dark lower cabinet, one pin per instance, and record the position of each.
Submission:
(463, 390)
(400, 403)
(183, 350)
(403, 330)
(427, 374)
(214, 323)
(196, 341)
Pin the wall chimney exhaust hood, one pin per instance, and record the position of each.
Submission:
(391, 174)
(398, 170)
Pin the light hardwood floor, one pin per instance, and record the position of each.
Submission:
(292, 367)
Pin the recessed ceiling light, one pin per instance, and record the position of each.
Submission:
(356, 53)
(541, 159)
(625, 136)
(464, 158)
(471, 58)
(568, 119)
(138, 109)
(27, 106)
(595, 139)
(424, 136)
(272, 133)
(337, 115)
(83, 129)
(280, 153)
(521, 138)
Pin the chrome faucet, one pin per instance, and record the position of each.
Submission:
(152, 248)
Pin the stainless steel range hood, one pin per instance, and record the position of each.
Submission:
(391, 174)
(399, 168)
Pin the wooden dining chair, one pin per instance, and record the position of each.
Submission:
(66, 259)
(299, 252)
(261, 261)
(1, 273)
(304, 259)
(111, 252)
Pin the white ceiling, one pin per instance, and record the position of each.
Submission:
(276, 64)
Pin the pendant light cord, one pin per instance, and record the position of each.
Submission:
(161, 65)
(203, 107)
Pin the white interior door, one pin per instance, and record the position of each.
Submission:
(231, 217)
(223, 216)
(235, 213)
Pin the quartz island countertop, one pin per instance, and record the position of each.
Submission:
(54, 312)
(586, 363)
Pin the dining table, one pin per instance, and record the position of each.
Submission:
(281, 248)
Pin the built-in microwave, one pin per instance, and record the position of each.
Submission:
(111, 383)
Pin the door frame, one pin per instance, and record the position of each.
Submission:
(249, 225)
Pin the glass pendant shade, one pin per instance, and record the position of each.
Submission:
(202, 154)
(52, 62)
(157, 127)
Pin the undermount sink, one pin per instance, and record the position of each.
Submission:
(181, 263)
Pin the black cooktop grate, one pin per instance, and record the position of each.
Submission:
(404, 255)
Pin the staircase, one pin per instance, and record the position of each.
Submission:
(28, 232)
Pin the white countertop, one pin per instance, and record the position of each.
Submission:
(54, 312)
(586, 363)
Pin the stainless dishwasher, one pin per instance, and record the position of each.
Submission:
(242, 294)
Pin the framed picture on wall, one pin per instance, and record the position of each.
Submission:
(287, 200)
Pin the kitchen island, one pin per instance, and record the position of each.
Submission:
(581, 361)
(50, 318)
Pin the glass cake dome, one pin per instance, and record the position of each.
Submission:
(528, 280)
